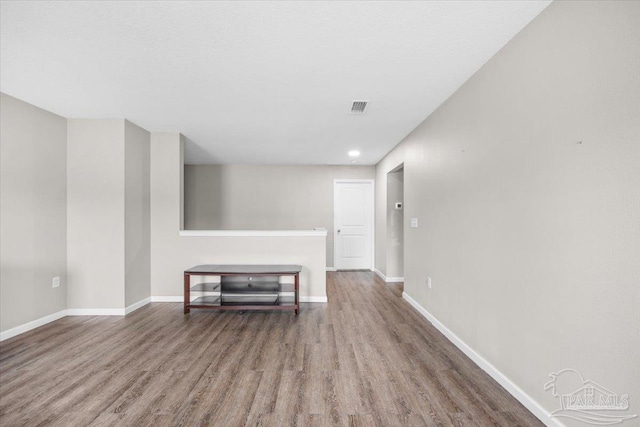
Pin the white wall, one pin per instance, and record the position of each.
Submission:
(526, 184)
(264, 197)
(33, 205)
(95, 213)
(137, 214)
(172, 254)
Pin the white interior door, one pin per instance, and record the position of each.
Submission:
(353, 224)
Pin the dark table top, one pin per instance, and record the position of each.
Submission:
(245, 269)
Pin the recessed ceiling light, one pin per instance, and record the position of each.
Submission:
(354, 153)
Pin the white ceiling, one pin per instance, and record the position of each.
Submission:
(254, 82)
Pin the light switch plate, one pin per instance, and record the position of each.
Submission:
(414, 222)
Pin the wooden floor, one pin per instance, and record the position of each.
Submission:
(365, 358)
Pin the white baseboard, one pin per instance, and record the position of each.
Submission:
(486, 366)
(163, 298)
(332, 269)
(388, 279)
(133, 307)
(32, 325)
(380, 274)
(313, 299)
(95, 312)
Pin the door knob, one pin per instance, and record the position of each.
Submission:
(338, 230)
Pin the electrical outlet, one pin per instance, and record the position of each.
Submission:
(414, 222)
(429, 282)
(55, 282)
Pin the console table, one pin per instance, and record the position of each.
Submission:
(242, 287)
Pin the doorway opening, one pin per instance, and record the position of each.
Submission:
(395, 225)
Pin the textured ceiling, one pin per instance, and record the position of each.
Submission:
(254, 82)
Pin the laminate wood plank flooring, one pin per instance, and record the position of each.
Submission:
(366, 358)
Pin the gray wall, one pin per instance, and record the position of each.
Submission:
(33, 205)
(108, 213)
(395, 225)
(526, 184)
(95, 213)
(264, 197)
(171, 253)
(137, 225)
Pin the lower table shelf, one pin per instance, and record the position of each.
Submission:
(243, 300)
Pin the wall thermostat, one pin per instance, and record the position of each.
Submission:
(398, 205)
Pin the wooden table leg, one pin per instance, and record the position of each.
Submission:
(297, 291)
(187, 293)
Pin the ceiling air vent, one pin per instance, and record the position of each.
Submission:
(358, 107)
